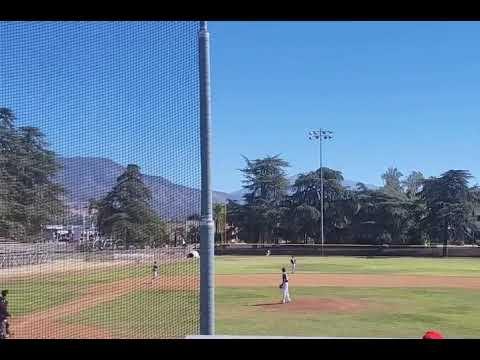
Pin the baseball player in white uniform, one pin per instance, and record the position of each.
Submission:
(284, 287)
(155, 270)
(293, 261)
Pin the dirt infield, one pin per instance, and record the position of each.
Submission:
(49, 324)
(349, 280)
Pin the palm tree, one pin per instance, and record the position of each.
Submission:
(219, 216)
(391, 179)
(413, 184)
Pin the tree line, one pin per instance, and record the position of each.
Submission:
(28, 196)
(30, 199)
(406, 210)
(126, 213)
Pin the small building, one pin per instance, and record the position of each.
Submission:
(67, 233)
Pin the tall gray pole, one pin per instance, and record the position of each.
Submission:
(321, 188)
(320, 135)
(207, 270)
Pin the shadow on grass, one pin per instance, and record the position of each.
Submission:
(269, 304)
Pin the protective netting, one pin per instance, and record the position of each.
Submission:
(100, 178)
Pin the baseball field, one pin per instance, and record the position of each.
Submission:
(331, 296)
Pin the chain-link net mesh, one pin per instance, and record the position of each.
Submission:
(100, 178)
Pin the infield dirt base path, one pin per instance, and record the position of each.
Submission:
(348, 280)
(48, 323)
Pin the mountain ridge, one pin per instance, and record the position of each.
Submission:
(86, 178)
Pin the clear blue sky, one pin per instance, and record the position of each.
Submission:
(403, 94)
(127, 91)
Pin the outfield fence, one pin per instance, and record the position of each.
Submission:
(36, 255)
(347, 250)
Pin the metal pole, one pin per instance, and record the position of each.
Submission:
(82, 237)
(225, 226)
(321, 188)
(207, 296)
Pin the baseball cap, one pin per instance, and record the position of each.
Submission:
(432, 335)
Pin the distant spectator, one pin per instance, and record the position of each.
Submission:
(432, 335)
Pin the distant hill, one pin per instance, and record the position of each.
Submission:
(353, 184)
(87, 178)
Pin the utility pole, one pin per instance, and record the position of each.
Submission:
(207, 238)
(321, 135)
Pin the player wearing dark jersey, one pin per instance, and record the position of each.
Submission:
(4, 315)
(284, 287)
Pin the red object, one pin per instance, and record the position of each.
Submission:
(432, 335)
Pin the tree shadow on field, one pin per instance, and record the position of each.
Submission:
(268, 304)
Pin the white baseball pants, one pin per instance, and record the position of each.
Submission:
(286, 294)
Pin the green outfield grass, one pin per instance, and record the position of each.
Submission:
(37, 293)
(145, 314)
(392, 312)
(350, 265)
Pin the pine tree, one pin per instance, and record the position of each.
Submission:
(126, 214)
(28, 197)
(266, 185)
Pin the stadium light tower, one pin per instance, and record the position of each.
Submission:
(207, 296)
(321, 135)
